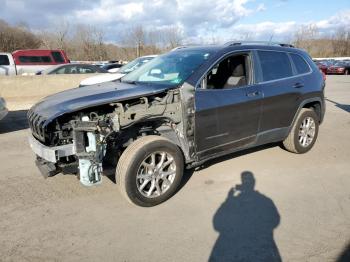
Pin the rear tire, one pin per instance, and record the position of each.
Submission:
(304, 132)
(150, 170)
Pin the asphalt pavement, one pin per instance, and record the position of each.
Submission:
(259, 204)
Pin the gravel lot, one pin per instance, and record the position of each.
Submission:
(299, 209)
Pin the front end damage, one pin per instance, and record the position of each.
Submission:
(85, 143)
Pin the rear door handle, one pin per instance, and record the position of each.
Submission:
(252, 94)
(298, 85)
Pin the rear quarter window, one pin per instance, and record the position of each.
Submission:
(57, 56)
(35, 59)
(4, 60)
(300, 64)
(275, 65)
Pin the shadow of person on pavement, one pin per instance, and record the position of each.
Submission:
(345, 107)
(246, 221)
(345, 255)
(14, 121)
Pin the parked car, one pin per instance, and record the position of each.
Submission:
(72, 69)
(30, 61)
(339, 68)
(112, 68)
(322, 65)
(3, 109)
(178, 111)
(138, 62)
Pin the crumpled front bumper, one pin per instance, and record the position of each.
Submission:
(50, 154)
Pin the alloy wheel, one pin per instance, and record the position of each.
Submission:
(156, 174)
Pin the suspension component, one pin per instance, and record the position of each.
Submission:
(90, 150)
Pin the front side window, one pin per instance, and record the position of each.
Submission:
(4, 60)
(170, 69)
(274, 65)
(232, 72)
(301, 66)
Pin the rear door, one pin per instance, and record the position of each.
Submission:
(282, 89)
(227, 118)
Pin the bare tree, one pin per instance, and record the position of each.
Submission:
(341, 42)
(172, 37)
(136, 37)
(304, 37)
(61, 34)
(86, 42)
(16, 37)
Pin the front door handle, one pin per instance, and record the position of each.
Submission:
(252, 94)
(298, 85)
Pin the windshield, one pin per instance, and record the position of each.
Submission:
(339, 64)
(129, 67)
(168, 69)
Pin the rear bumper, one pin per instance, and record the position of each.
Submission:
(50, 154)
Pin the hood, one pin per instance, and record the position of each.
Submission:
(101, 79)
(76, 99)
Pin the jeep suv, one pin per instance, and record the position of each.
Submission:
(179, 110)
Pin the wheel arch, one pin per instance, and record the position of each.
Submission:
(315, 103)
(163, 128)
(316, 106)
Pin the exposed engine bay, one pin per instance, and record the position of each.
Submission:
(99, 135)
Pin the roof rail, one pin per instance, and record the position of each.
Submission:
(232, 43)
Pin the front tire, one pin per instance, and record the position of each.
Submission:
(150, 170)
(304, 132)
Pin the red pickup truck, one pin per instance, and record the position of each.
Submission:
(30, 61)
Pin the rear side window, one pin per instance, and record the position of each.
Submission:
(35, 59)
(4, 60)
(62, 70)
(275, 65)
(301, 66)
(57, 56)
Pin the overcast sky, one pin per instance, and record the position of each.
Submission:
(205, 19)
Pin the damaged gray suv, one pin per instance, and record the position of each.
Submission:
(178, 111)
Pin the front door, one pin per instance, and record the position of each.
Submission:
(228, 107)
